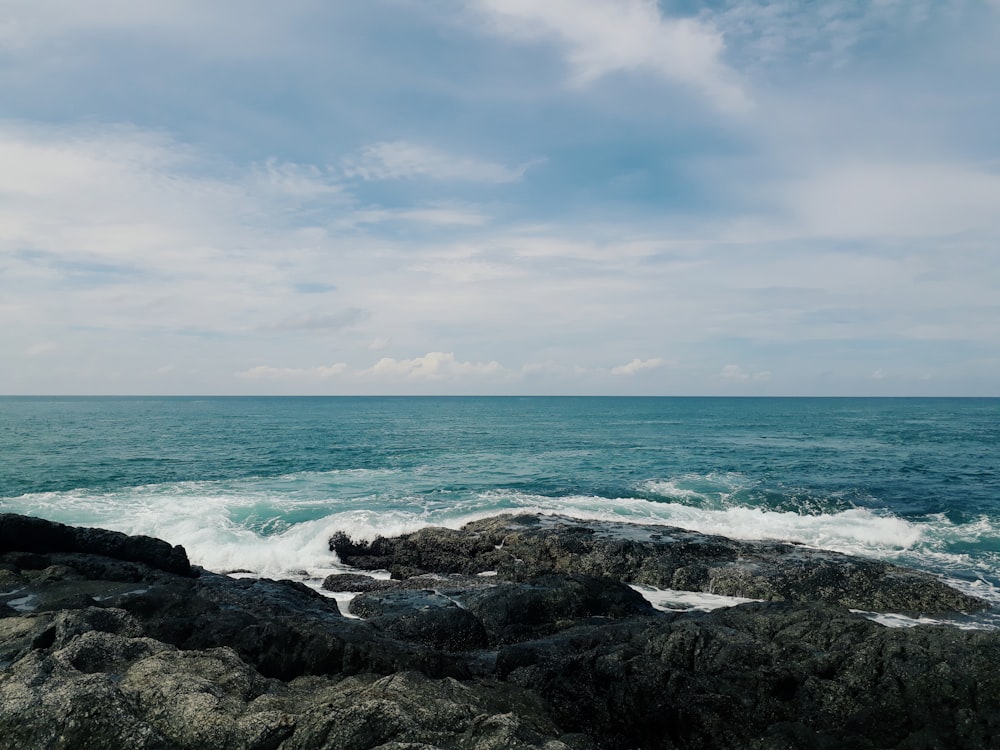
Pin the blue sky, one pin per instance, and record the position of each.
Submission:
(500, 197)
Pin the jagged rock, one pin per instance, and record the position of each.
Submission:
(357, 582)
(522, 547)
(282, 628)
(28, 534)
(564, 660)
(463, 613)
(513, 612)
(105, 690)
(766, 675)
(421, 616)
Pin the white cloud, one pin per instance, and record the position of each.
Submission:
(616, 251)
(297, 180)
(435, 216)
(826, 33)
(42, 347)
(132, 247)
(108, 195)
(34, 22)
(737, 373)
(266, 372)
(431, 366)
(895, 199)
(637, 364)
(609, 36)
(395, 160)
(733, 372)
(321, 321)
(463, 271)
(212, 30)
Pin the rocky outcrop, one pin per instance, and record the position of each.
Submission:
(521, 547)
(98, 651)
(765, 675)
(463, 614)
(101, 689)
(28, 534)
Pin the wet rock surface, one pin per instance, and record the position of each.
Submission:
(526, 546)
(122, 649)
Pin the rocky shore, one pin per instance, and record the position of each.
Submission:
(110, 641)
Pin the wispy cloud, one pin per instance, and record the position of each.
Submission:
(600, 37)
(296, 180)
(397, 160)
(335, 321)
(826, 34)
(443, 216)
(631, 368)
(737, 373)
(39, 349)
(896, 199)
(431, 366)
(212, 30)
(259, 184)
(293, 374)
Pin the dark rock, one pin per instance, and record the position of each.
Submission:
(422, 617)
(524, 547)
(29, 534)
(282, 628)
(463, 613)
(807, 675)
(106, 690)
(440, 551)
(23, 561)
(513, 612)
(357, 582)
(162, 661)
(454, 582)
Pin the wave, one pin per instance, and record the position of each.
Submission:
(280, 526)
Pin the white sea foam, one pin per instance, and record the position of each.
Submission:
(711, 488)
(281, 526)
(671, 488)
(895, 620)
(200, 516)
(855, 530)
(27, 603)
(200, 521)
(670, 600)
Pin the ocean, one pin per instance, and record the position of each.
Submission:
(257, 484)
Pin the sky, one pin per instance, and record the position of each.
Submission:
(580, 197)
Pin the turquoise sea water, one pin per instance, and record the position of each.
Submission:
(260, 483)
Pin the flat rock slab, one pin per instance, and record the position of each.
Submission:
(519, 547)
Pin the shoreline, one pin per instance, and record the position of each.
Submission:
(131, 646)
